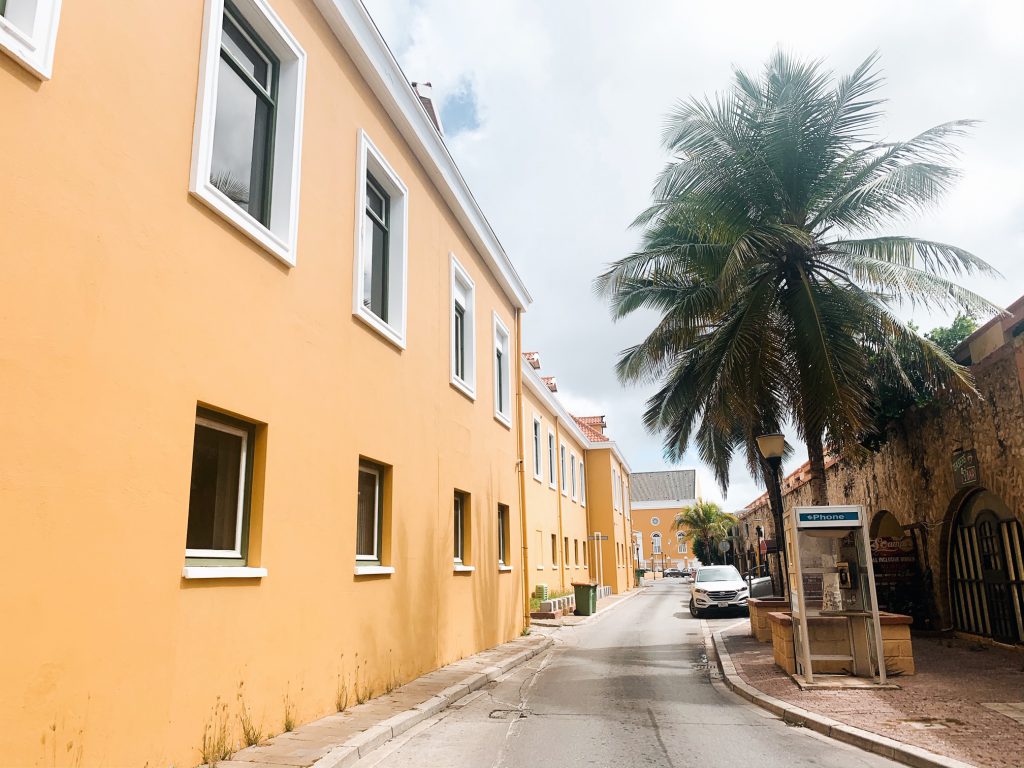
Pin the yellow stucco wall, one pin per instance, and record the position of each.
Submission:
(125, 304)
(610, 518)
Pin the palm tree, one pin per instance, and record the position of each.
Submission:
(760, 254)
(704, 520)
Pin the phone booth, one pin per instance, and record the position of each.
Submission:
(836, 626)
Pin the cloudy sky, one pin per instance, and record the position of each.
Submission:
(553, 111)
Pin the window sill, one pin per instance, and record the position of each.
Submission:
(504, 568)
(374, 570)
(539, 478)
(259, 233)
(222, 572)
(464, 388)
(389, 333)
(540, 567)
(25, 50)
(460, 568)
(502, 419)
(554, 567)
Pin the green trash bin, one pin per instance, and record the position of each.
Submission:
(639, 574)
(586, 598)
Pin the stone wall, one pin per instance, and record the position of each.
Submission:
(911, 476)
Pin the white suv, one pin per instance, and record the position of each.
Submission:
(717, 587)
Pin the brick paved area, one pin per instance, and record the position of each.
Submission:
(939, 709)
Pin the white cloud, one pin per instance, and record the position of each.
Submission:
(571, 99)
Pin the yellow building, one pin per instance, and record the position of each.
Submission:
(657, 498)
(259, 394)
(555, 486)
(576, 492)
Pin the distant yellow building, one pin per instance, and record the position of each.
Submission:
(657, 498)
(576, 491)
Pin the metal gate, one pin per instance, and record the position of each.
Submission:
(988, 578)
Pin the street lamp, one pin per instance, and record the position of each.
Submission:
(772, 447)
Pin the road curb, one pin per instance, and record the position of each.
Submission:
(362, 744)
(826, 726)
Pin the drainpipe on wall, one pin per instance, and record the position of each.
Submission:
(520, 468)
(590, 529)
(559, 546)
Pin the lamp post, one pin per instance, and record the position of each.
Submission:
(772, 447)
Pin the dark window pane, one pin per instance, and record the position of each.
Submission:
(245, 54)
(375, 269)
(376, 202)
(368, 514)
(460, 342)
(213, 498)
(501, 383)
(459, 519)
(241, 141)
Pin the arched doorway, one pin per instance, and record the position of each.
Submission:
(987, 569)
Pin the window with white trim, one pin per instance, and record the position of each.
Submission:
(536, 449)
(502, 376)
(583, 484)
(656, 543)
(463, 332)
(572, 473)
(615, 488)
(461, 512)
(28, 33)
(503, 534)
(370, 512)
(551, 458)
(247, 142)
(220, 493)
(562, 464)
(681, 543)
(379, 290)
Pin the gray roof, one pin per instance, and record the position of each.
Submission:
(671, 484)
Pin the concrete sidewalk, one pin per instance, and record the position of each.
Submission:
(965, 705)
(339, 740)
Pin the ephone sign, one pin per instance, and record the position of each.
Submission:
(833, 516)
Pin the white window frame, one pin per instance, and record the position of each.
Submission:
(459, 517)
(462, 283)
(615, 488)
(572, 475)
(280, 238)
(538, 473)
(378, 512)
(28, 33)
(563, 470)
(228, 429)
(552, 461)
(371, 161)
(502, 341)
(655, 543)
(583, 484)
(681, 543)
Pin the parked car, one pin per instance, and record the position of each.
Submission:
(673, 573)
(718, 588)
(759, 582)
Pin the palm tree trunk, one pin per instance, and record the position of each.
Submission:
(816, 458)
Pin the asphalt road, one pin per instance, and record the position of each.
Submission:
(631, 688)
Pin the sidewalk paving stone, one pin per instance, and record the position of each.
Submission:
(946, 708)
(338, 740)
